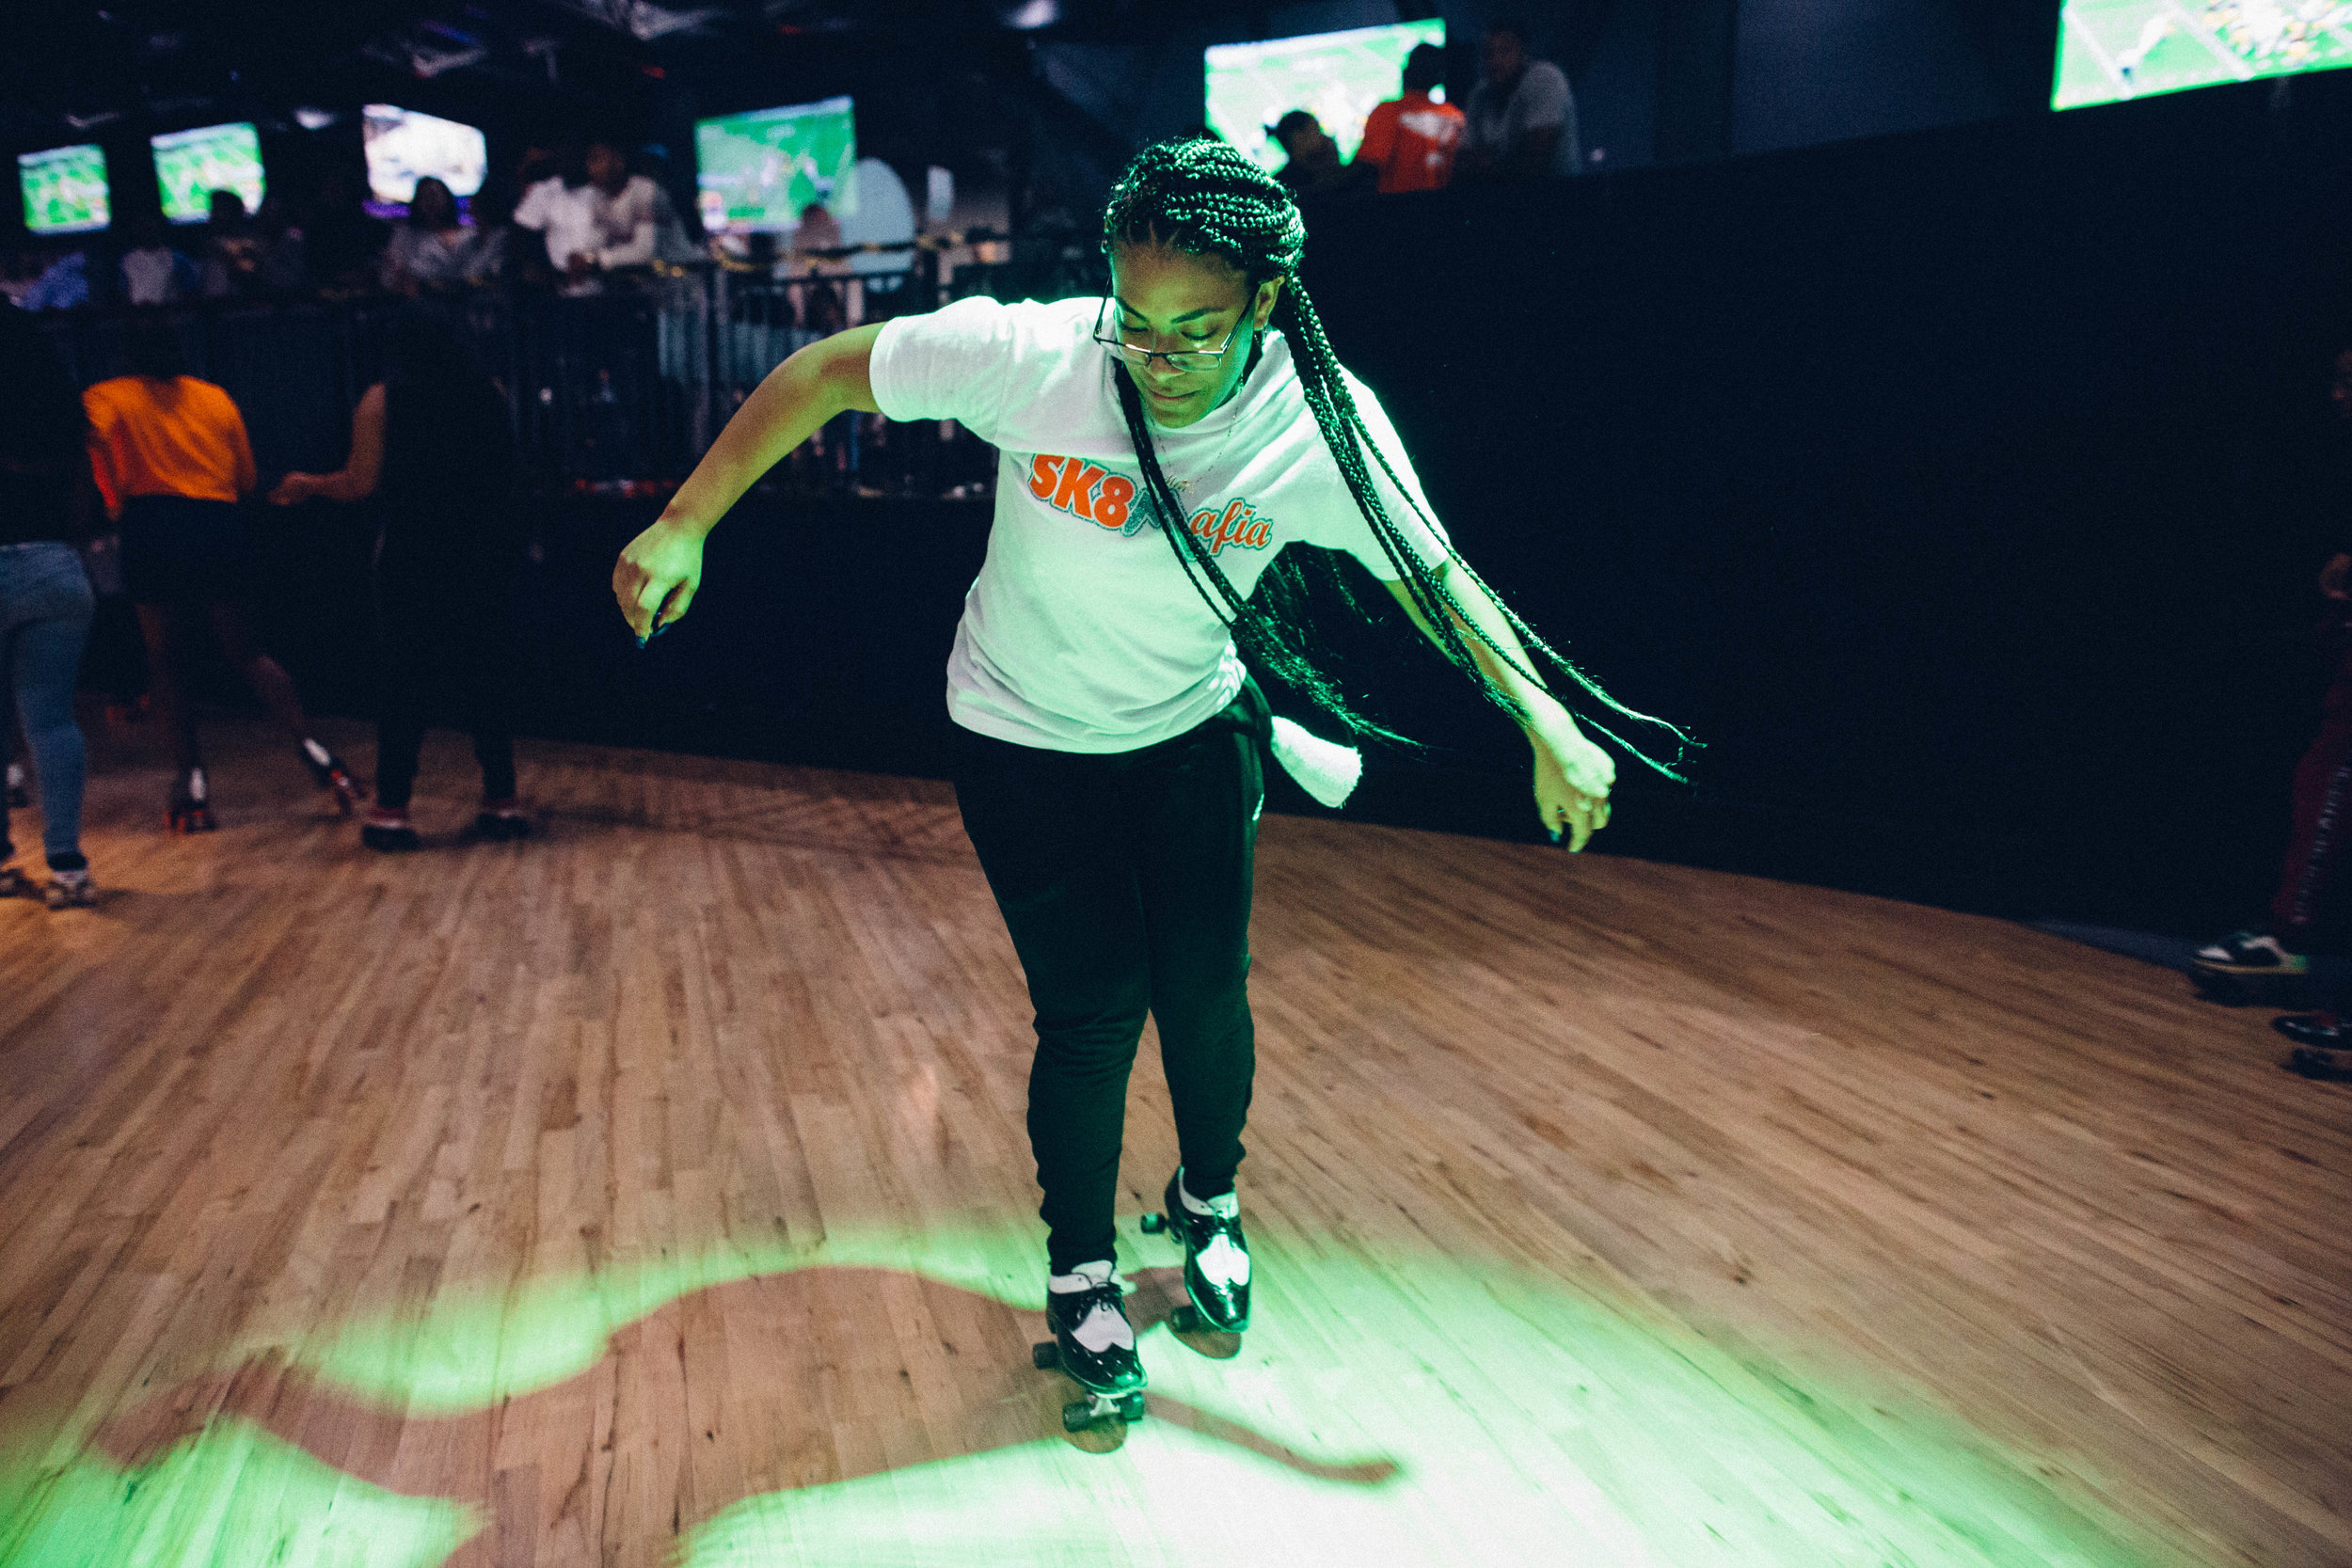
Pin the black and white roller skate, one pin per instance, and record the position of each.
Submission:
(1093, 1345)
(1216, 1257)
(332, 776)
(190, 808)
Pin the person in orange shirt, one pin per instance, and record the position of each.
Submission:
(172, 463)
(1412, 141)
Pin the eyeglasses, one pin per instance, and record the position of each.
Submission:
(1179, 360)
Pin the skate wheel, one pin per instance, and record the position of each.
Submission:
(1154, 1224)
(1077, 1415)
(1046, 1355)
(1131, 1408)
(1186, 1320)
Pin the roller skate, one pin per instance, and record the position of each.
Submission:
(15, 884)
(386, 831)
(19, 796)
(1094, 1346)
(2323, 1045)
(502, 820)
(1216, 1257)
(70, 886)
(190, 809)
(2251, 966)
(333, 777)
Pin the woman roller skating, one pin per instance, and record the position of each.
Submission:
(1159, 448)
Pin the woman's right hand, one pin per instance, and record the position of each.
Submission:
(657, 576)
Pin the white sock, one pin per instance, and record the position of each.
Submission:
(1228, 1206)
(1103, 1327)
(1086, 1276)
(316, 752)
(196, 784)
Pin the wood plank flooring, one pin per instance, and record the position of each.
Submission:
(656, 1192)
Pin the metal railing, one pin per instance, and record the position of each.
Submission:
(619, 389)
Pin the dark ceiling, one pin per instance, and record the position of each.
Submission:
(74, 68)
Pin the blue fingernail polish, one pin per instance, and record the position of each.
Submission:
(640, 641)
(1555, 835)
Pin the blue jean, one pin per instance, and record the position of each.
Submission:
(45, 608)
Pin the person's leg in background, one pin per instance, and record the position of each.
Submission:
(487, 695)
(2319, 829)
(164, 629)
(406, 653)
(45, 606)
(270, 682)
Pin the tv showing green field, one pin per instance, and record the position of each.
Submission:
(65, 189)
(756, 172)
(191, 165)
(1336, 77)
(2110, 50)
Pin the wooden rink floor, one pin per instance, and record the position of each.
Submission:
(657, 1191)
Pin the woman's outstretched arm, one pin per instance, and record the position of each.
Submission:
(1573, 776)
(657, 576)
(361, 471)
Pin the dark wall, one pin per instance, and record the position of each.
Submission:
(1962, 490)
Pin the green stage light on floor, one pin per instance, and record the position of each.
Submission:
(1393, 1405)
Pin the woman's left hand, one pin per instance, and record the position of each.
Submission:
(294, 489)
(1573, 778)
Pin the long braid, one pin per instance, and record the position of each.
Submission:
(1204, 197)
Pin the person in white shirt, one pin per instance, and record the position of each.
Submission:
(1159, 449)
(1522, 116)
(616, 219)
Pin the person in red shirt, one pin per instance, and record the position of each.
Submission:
(1411, 140)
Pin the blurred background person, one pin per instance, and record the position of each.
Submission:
(430, 248)
(1314, 168)
(1410, 142)
(153, 270)
(233, 253)
(433, 440)
(172, 463)
(285, 259)
(341, 242)
(1522, 115)
(816, 233)
(45, 601)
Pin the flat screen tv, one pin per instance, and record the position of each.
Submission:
(403, 147)
(1337, 77)
(191, 165)
(2116, 49)
(756, 172)
(65, 189)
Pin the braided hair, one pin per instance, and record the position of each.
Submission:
(1200, 197)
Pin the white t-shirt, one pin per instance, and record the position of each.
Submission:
(1083, 632)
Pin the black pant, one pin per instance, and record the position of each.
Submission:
(1124, 879)
(436, 657)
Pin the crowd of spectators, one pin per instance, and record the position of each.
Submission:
(1519, 126)
(564, 220)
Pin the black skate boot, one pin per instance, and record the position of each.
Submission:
(190, 809)
(1094, 1346)
(333, 777)
(1217, 1259)
(386, 831)
(15, 884)
(502, 821)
